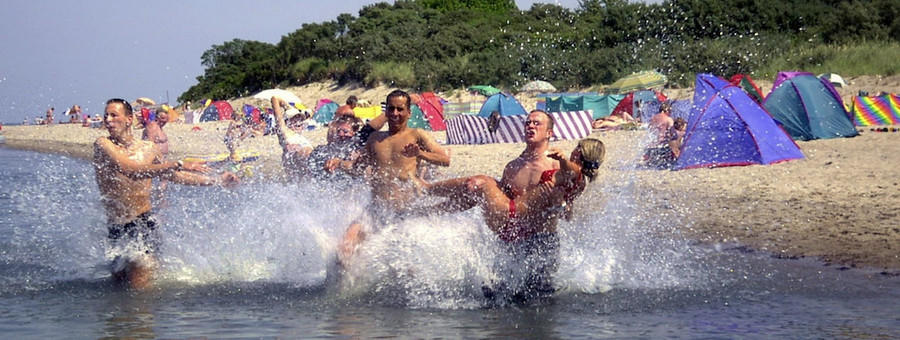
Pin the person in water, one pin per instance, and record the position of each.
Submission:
(527, 224)
(393, 157)
(124, 168)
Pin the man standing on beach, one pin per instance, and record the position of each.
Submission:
(124, 167)
(393, 156)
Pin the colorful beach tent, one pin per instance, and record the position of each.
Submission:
(632, 102)
(251, 112)
(881, 110)
(745, 82)
(432, 109)
(218, 110)
(600, 105)
(504, 103)
(808, 107)
(325, 110)
(417, 119)
(728, 128)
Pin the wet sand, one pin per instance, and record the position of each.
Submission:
(839, 205)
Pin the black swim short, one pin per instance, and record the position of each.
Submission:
(141, 230)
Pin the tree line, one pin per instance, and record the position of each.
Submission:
(434, 45)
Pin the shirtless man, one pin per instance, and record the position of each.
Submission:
(347, 108)
(393, 156)
(124, 167)
(662, 122)
(530, 237)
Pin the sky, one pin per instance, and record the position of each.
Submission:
(56, 53)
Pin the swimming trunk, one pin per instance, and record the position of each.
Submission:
(528, 274)
(141, 232)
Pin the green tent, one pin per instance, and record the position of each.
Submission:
(601, 105)
(417, 119)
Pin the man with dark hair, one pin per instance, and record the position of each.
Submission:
(347, 108)
(124, 168)
(393, 157)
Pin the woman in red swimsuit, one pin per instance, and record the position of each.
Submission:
(524, 216)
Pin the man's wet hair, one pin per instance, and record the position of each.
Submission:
(128, 109)
(549, 118)
(400, 93)
(352, 100)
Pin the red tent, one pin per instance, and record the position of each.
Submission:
(219, 110)
(745, 82)
(433, 110)
(628, 104)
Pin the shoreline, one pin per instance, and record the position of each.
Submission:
(838, 205)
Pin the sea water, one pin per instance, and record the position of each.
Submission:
(259, 261)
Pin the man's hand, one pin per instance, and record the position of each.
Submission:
(556, 154)
(200, 167)
(332, 164)
(411, 150)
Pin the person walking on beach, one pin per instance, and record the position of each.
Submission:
(49, 117)
(124, 168)
(393, 156)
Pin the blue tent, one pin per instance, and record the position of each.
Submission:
(728, 128)
(325, 113)
(808, 107)
(504, 103)
(600, 105)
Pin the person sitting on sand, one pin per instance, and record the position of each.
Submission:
(393, 157)
(124, 168)
(527, 224)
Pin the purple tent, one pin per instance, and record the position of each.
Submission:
(728, 128)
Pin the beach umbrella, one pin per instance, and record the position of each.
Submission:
(538, 86)
(288, 96)
(638, 81)
(485, 90)
(145, 101)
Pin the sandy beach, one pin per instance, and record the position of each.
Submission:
(838, 205)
